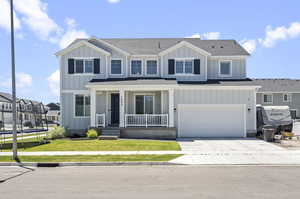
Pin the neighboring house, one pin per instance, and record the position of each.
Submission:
(27, 110)
(169, 87)
(53, 112)
(279, 92)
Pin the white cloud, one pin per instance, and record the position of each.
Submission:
(197, 35)
(71, 34)
(208, 35)
(23, 80)
(113, 1)
(280, 33)
(249, 45)
(211, 35)
(53, 81)
(34, 14)
(5, 16)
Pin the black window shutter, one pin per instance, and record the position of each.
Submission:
(196, 66)
(97, 66)
(171, 66)
(71, 66)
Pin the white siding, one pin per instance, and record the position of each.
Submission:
(185, 52)
(238, 68)
(219, 96)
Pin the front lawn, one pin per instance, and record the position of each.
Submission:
(106, 145)
(92, 158)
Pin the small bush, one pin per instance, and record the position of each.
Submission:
(92, 133)
(57, 133)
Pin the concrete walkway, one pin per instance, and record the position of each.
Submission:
(53, 153)
(22, 138)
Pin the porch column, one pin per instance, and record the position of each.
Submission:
(122, 107)
(171, 107)
(93, 107)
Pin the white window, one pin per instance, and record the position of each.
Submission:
(136, 67)
(116, 67)
(82, 105)
(225, 68)
(84, 65)
(184, 66)
(287, 97)
(144, 104)
(268, 98)
(151, 67)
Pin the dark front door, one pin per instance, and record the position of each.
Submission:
(115, 111)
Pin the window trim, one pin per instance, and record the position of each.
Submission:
(146, 67)
(184, 60)
(225, 75)
(74, 105)
(142, 68)
(121, 66)
(263, 101)
(289, 97)
(143, 94)
(83, 58)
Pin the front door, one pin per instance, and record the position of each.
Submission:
(115, 108)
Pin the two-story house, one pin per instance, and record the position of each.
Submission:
(157, 87)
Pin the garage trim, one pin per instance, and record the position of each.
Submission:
(180, 106)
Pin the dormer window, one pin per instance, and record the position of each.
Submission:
(136, 67)
(225, 68)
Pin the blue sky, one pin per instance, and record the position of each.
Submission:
(269, 29)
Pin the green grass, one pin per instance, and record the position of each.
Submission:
(105, 145)
(92, 158)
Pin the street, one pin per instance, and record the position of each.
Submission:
(152, 182)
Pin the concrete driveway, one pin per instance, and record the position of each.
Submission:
(235, 152)
(226, 145)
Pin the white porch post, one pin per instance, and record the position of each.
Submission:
(171, 107)
(122, 107)
(93, 107)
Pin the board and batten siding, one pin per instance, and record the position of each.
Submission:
(219, 96)
(185, 52)
(238, 68)
(67, 115)
(278, 101)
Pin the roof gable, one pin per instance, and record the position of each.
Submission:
(78, 44)
(187, 44)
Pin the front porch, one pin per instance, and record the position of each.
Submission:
(132, 107)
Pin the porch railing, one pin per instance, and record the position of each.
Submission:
(100, 119)
(146, 120)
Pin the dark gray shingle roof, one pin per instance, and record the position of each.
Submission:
(278, 85)
(153, 46)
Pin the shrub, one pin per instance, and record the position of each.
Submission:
(57, 133)
(92, 133)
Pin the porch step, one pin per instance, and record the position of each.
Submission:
(111, 132)
(108, 137)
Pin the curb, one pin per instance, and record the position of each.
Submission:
(65, 164)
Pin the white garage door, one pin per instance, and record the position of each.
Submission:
(211, 120)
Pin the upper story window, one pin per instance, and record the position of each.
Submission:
(82, 105)
(136, 67)
(151, 67)
(116, 66)
(287, 97)
(184, 66)
(225, 68)
(84, 66)
(268, 98)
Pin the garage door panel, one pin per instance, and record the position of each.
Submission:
(211, 121)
